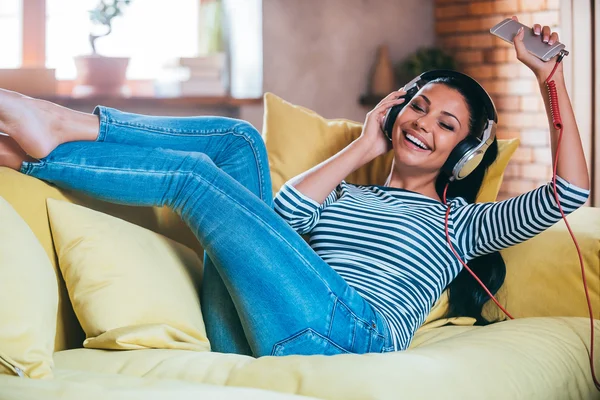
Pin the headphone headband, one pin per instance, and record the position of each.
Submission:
(467, 155)
(429, 76)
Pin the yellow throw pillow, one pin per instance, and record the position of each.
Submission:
(28, 299)
(297, 139)
(493, 176)
(130, 288)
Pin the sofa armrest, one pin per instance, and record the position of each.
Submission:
(543, 275)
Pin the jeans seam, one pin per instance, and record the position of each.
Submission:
(354, 317)
(282, 343)
(259, 165)
(198, 177)
(332, 316)
(169, 131)
(353, 336)
(101, 112)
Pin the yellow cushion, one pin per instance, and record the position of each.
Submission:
(543, 275)
(130, 287)
(297, 139)
(28, 197)
(436, 316)
(28, 299)
(493, 176)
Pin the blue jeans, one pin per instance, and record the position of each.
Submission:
(265, 291)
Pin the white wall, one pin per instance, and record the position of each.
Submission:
(318, 53)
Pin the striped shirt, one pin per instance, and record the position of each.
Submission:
(389, 244)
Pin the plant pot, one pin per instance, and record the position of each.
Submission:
(100, 76)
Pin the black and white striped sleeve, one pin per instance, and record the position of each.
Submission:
(484, 228)
(300, 211)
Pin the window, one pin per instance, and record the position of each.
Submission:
(50, 33)
(150, 32)
(10, 27)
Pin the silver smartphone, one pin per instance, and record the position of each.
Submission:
(507, 30)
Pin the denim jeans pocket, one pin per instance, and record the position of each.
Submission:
(356, 334)
(377, 343)
(367, 339)
(307, 342)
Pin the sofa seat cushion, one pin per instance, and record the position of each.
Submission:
(532, 358)
(75, 385)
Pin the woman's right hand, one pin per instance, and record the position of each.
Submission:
(319, 181)
(372, 135)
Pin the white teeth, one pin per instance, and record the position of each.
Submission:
(416, 141)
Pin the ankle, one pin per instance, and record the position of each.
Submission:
(71, 126)
(14, 161)
(11, 155)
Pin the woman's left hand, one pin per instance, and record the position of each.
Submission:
(540, 68)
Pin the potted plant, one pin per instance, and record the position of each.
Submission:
(97, 74)
(424, 59)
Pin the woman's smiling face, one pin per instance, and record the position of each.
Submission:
(429, 127)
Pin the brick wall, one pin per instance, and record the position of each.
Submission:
(462, 28)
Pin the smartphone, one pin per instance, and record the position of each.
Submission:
(507, 30)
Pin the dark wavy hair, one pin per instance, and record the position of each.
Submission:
(466, 296)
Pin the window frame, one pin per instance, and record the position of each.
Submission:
(33, 34)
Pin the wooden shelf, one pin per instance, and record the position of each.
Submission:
(369, 100)
(168, 102)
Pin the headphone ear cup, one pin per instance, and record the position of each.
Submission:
(457, 154)
(390, 118)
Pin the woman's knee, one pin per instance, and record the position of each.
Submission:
(251, 136)
(252, 152)
(244, 146)
(247, 129)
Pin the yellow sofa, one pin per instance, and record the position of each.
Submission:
(542, 354)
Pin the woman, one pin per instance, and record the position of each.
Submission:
(377, 259)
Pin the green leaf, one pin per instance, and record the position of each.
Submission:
(424, 59)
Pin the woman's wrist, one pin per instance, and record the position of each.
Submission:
(542, 76)
(367, 149)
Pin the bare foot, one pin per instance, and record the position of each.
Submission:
(22, 119)
(11, 155)
(39, 126)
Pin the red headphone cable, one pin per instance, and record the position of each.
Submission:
(557, 122)
(465, 264)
